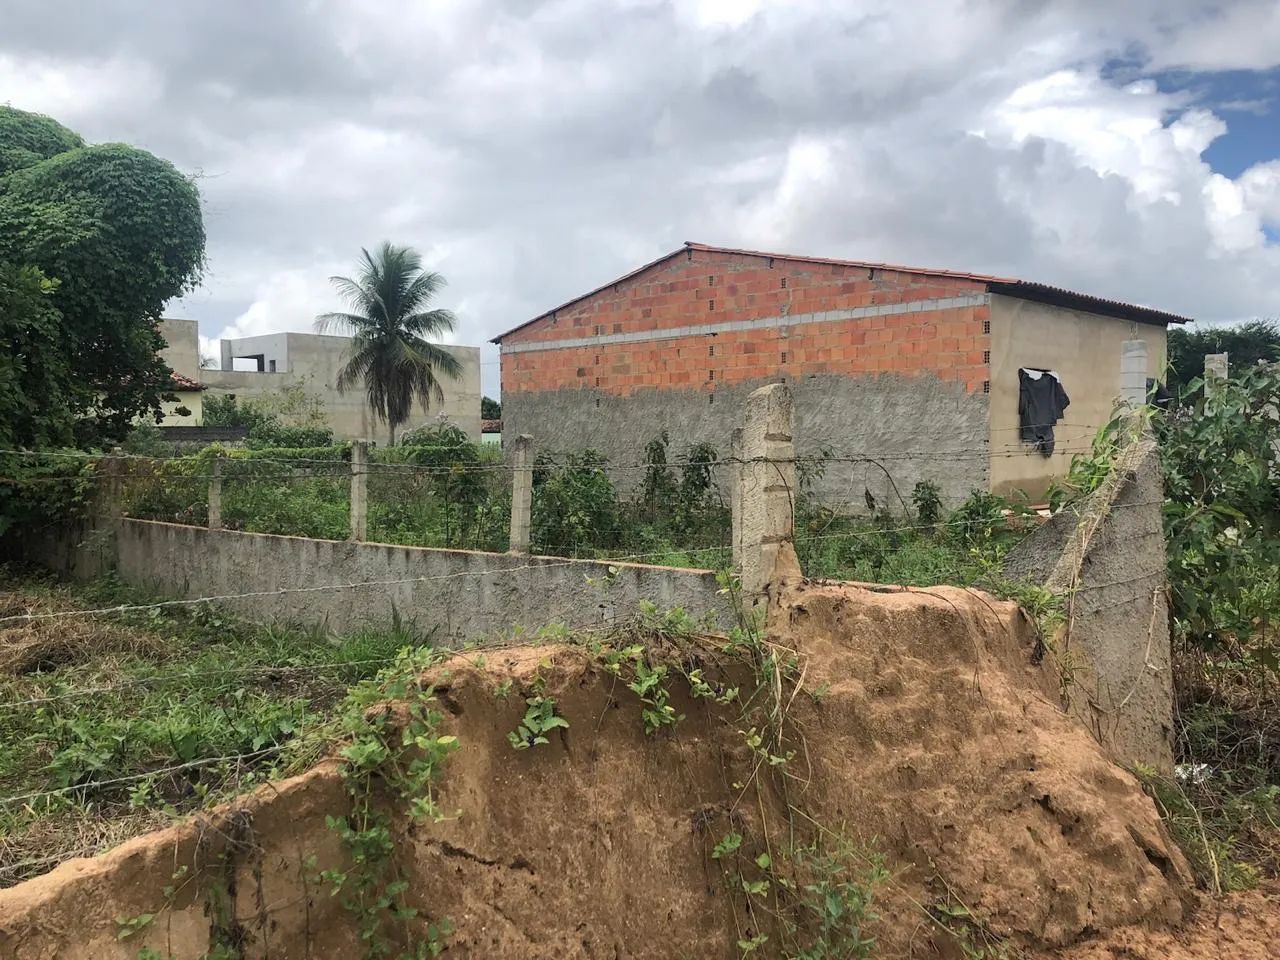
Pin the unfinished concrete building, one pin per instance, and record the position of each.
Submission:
(313, 361)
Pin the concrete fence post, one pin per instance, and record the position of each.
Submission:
(215, 494)
(1133, 373)
(767, 492)
(359, 489)
(1215, 370)
(521, 492)
(113, 508)
(735, 494)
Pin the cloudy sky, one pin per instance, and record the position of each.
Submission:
(534, 149)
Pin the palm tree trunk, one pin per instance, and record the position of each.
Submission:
(393, 435)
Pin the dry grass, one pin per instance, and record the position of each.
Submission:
(27, 646)
(47, 842)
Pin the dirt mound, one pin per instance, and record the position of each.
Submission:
(920, 730)
(1242, 926)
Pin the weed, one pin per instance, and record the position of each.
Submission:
(540, 718)
(127, 927)
(655, 710)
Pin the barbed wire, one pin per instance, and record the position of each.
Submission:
(342, 468)
(1034, 518)
(542, 563)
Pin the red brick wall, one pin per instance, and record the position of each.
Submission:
(701, 287)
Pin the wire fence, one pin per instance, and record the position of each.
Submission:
(672, 505)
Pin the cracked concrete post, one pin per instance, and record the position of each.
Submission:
(1215, 369)
(1133, 373)
(359, 489)
(521, 492)
(215, 494)
(766, 526)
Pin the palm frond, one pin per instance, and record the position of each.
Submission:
(356, 368)
(335, 322)
(353, 292)
(431, 323)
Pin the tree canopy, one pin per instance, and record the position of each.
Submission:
(28, 138)
(94, 240)
(1245, 345)
(390, 355)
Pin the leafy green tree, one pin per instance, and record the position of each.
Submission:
(36, 376)
(120, 231)
(490, 409)
(28, 138)
(389, 323)
(1245, 344)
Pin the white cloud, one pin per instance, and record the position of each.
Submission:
(536, 150)
(72, 90)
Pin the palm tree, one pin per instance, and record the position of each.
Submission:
(389, 324)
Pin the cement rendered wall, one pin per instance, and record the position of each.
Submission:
(463, 595)
(885, 416)
(1085, 350)
(183, 351)
(1106, 556)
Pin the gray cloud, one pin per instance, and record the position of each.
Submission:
(535, 149)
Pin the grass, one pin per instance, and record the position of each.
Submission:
(94, 713)
(1223, 804)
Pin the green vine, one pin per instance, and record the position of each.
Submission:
(405, 753)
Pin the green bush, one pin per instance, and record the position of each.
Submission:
(269, 435)
(575, 506)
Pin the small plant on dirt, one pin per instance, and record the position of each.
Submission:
(728, 844)
(702, 689)
(655, 710)
(830, 905)
(127, 927)
(820, 693)
(973, 938)
(539, 719)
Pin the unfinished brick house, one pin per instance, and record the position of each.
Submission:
(924, 373)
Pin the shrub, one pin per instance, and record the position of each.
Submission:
(575, 506)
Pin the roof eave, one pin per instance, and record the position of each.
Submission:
(1058, 297)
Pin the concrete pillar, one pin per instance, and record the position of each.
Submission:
(1133, 373)
(768, 490)
(521, 492)
(359, 489)
(735, 494)
(1215, 369)
(112, 506)
(215, 494)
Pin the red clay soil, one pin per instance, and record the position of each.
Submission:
(1241, 926)
(928, 735)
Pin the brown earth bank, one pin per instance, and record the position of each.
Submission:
(922, 732)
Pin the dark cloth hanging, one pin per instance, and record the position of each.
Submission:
(1041, 401)
(1158, 394)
